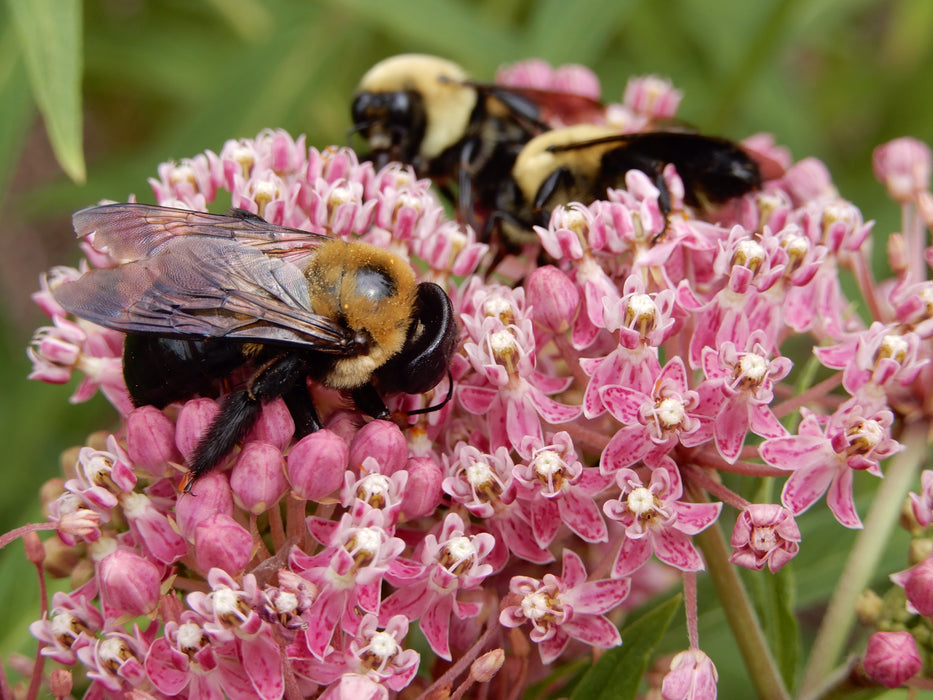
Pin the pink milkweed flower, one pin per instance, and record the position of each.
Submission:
(564, 608)
(348, 573)
(507, 385)
(656, 520)
(73, 521)
(904, 166)
(644, 322)
(917, 582)
(738, 392)
(229, 614)
(482, 483)
(652, 96)
(428, 588)
(693, 676)
(765, 534)
(824, 453)
(153, 529)
(922, 504)
(72, 616)
(653, 424)
(114, 658)
(558, 490)
(874, 361)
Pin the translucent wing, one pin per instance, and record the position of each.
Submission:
(195, 274)
(130, 231)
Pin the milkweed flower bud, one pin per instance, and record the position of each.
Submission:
(221, 542)
(892, 658)
(258, 477)
(554, 298)
(128, 582)
(316, 465)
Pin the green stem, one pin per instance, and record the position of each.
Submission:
(741, 617)
(864, 557)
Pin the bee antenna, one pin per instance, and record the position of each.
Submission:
(437, 407)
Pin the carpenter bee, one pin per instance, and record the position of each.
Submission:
(579, 163)
(203, 297)
(425, 111)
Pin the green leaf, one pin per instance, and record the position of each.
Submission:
(774, 599)
(17, 107)
(49, 33)
(618, 673)
(455, 30)
(566, 31)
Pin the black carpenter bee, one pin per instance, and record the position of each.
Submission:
(579, 163)
(201, 296)
(424, 111)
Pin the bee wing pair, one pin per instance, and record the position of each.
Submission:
(187, 273)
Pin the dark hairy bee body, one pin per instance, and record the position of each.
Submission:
(580, 163)
(425, 111)
(205, 298)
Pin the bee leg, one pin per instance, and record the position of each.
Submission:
(368, 401)
(241, 409)
(300, 405)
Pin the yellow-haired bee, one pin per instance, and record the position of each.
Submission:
(579, 163)
(201, 296)
(425, 111)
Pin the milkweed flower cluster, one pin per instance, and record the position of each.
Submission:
(601, 403)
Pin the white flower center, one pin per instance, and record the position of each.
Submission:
(670, 413)
(641, 502)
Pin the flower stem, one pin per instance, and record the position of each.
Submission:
(741, 617)
(864, 557)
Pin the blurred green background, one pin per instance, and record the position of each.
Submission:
(170, 78)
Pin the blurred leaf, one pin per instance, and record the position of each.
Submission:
(49, 34)
(451, 29)
(17, 107)
(247, 17)
(566, 32)
(618, 673)
(774, 598)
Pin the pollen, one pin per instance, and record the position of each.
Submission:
(894, 347)
(670, 413)
(752, 369)
(364, 545)
(482, 480)
(190, 638)
(764, 539)
(228, 606)
(113, 651)
(641, 503)
(374, 490)
(498, 307)
(537, 606)
(383, 645)
(749, 254)
(457, 555)
(549, 468)
(504, 349)
(864, 437)
(641, 314)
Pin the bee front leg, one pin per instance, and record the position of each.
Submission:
(368, 401)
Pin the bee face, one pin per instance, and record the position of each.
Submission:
(413, 107)
(202, 296)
